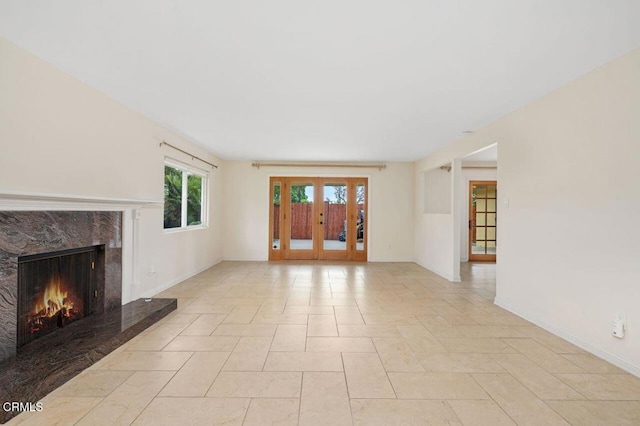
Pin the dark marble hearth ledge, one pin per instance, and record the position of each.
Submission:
(47, 363)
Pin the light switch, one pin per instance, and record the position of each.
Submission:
(505, 201)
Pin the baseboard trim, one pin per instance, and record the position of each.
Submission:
(152, 292)
(392, 260)
(399, 260)
(448, 277)
(244, 259)
(607, 356)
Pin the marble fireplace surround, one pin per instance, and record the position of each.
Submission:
(28, 233)
(37, 223)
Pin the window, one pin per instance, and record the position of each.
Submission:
(184, 197)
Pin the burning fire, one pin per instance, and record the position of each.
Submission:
(55, 302)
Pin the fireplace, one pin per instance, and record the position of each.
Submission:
(50, 251)
(62, 270)
(56, 289)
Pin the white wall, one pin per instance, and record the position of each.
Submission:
(569, 241)
(246, 209)
(60, 136)
(437, 191)
(434, 243)
(433, 221)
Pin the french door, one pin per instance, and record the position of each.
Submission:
(318, 218)
(483, 221)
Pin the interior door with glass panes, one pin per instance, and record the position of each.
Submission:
(483, 221)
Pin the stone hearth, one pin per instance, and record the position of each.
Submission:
(47, 363)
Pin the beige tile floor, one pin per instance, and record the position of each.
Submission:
(332, 344)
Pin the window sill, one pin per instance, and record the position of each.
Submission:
(187, 229)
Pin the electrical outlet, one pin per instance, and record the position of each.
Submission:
(619, 326)
(623, 318)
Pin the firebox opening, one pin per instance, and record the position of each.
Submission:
(56, 289)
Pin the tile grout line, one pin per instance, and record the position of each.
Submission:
(346, 385)
(300, 400)
(490, 396)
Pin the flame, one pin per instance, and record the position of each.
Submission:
(55, 308)
(54, 300)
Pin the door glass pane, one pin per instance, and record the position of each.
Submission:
(478, 247)
(491, 191)
(301, 216)
(491, 205)
(275, 243)
(491, 247)
(480, 219)
(491, 219)
(481, 191)
(334, 216)
(481, 205)
(491, 233)
(480, 233)
(360, 230)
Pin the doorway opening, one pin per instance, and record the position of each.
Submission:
(323, 218)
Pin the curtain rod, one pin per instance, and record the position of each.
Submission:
(193, 157)
(257, 165)
(448, 168)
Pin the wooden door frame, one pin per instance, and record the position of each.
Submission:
(472, 219)
(351, 253)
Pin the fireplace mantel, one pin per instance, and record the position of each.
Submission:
(33, 201)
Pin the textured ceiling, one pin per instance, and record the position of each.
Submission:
(332, 80)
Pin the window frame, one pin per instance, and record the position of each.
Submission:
(186, 171)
